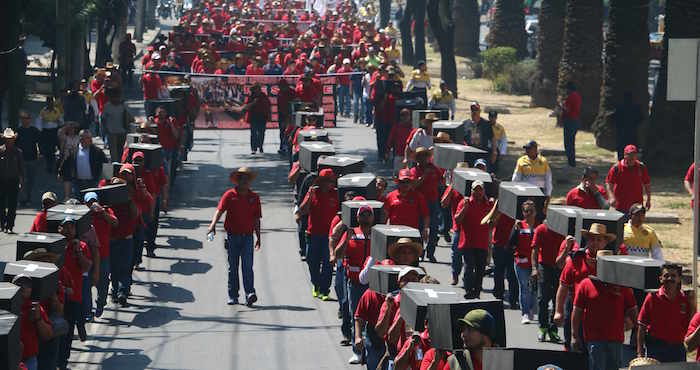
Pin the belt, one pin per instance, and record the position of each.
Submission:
(353, 268)
(522, 259)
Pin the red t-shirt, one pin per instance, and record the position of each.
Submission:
(523, 250)
(576, 269)
(28, 330)
(166, 133)
(581, 198)
(572, 106)
(323, 206)
(260, 109)
(357, 251)
(397, 138)
(604, 306)
(336, 220)
(74, 270)
(454, 198)
(151, 85)
(103, 230)
(155, 180)
(307, 94)
(368, 307)
(241, 211)
(664, 318)
(429, 186)
(690, 177)
(694, 324)
(548, 243)
(429, 356)
(501, 231)
(627, 184)
(472, 234)
(127, 223)
(405, 209)
(39, 225)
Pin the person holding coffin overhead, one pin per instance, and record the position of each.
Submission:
(405, 206)
(427, 179)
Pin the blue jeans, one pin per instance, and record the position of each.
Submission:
(474, 266)
(368, 109)
(301, 232)
(152, 225)
(503, 268)
(456, 257)
(570, 128)
(357, 112)
(87, 295)
(604, 355)
(526, 296)
(665, 352)
(374, 349)
(240, 250)
(139, 236)
(340, 286)
(355, 292)
(318, 259)
(121, 255)
(344, 99)
(103, 282)
(434, 209)
(31, 363)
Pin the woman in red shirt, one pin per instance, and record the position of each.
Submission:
(521, 243)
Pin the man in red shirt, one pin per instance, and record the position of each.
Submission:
(398, 137)
(405, 206)
(151, 84)
(103, 220)
(689, 183)
(258, 113)
(48, 200)
(545, 247)
(626, 180)
(243, 214)
(474, 237)
(664, 317)
(308, 90)
(588, 194)
(427, 179)
(571, 116)
(320, 204)
(34, 324)
(168, 137)
(157, 184)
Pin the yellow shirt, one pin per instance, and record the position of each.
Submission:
(393, 54)
(418, 75)
(534, 171)
(443, 98)
(498, 131)
(640, 240)
(50, 115)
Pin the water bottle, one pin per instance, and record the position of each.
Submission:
(419, 354)
(210, 236)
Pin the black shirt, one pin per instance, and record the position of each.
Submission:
(479, 135)
(28, 141)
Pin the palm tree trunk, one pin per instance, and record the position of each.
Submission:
(669, 138)
(549, 44)
(384, 13)
(467, 29)
(626, 65)
(442, 25)
(581, 55)
(419, 30)
(508, 26)
(407, 56)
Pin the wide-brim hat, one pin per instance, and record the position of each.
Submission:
(598, 229)
(430, 117)
(442, 137)
(423, 151)
(416, 247)
(243, 171)
(42, 255)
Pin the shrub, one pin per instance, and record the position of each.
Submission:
(515, 79)
(496, 60)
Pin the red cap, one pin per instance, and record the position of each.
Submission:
(127, 167)
(138, 154)
(326, 174)
(405, 174)
(365, 208)
(630, 149)
(359, 197)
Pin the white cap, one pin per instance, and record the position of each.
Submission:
(477, 183)
(408, 269)
(346, 61)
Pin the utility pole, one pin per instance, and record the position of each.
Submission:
(140, 25)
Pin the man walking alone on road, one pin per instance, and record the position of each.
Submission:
(243, 213)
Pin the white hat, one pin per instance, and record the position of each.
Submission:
(156, 55)
(477, 183)
(346, 61)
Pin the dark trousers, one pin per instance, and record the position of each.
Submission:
(48, 354)
(664, 351)
(257, 135)
(301, 232)
(382, 131)
(503, 268)
(31, 170)
(72, 312)
(152, 226)
(474, 266)
(9, 191)
(547, 283)
(570, 128)
(48, 142)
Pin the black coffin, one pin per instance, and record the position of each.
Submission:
(415, 298)
(630, 271)
(564, 220)
(134, 138)
(613, 220)
(310, 151)
(174, 106)
(448, 155)
(10, 299)
(44, 276)
(316, 134)
(411, 103)
(511, 196)
(445, 332)
(418, 114)
(342, 164)
(385, 235)
(349, 211)
(384, 279)
(152, 153)
(79, 212)
(522, 358)
(52, 242)
(462, 179)
(110, 195)
(454, 128)
(116, 166)
(301, 119)
(364, 184)
(10, 353)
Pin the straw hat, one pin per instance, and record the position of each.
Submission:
(243, 171)
(417, 248)
(41, 255)
(442, 137)
(430, 117)
(598, 229)
(422, 151)
(9, 134)
(642, 361)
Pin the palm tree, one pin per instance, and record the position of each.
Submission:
(508, 26)
(625, 69)
(549, 43)
(467, 29)
(581, 55)
(669, 139)
(442, 25)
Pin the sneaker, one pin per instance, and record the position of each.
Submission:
(231, 302)
(554, 336)
(345, 342)
(525, 320)
(122, 300)
(355, 359)
(315, 292)
(542, 335)
(432, 259)
(82, 333)
(99, 309)
(324, 297)
(454, 281)
(252, 298)
(447, 237)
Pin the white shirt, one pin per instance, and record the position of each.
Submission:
(421, 138)
(82, 163)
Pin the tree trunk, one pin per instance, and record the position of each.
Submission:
(419, 30)
(467, 29)
(580, 60)
(384, 13)
(407, 56)
(414, 13)
(669, 139)
(626, 67)
(549, 43)
(101, 46)
(140, 21)
(508, 27)
(442, 25)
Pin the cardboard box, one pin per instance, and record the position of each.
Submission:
(134, 138)
(110, 195)
(613, 220)
(153, 154)
(385, 235)
(445, 332)
(448, 155)
(512, 195)
(10, 353)
(564, 220)
(54, 243)
(301, 118)
(522, 358)
(462, 179)
(342, 164)
(349, 211)
(364, 184)
(81, 213)
(309, 153)
(10, 299)
(415, 298)
(44, 276)
(384, 279)
(454, 128)
(418, 114)
(312, 135)
(630, 271)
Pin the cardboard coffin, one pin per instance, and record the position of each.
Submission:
(385, 235)
(445, 332)
(349, 211)
(364, 184)
(512, 195)
(630, 271)
(415, 298)
(309, 152)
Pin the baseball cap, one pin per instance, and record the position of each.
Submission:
(481, 321)
(405, 174)
(636, 208)
(138, 154)
(49, 195)
(408, 269)
(346, 61)
(477, 183)
(127, 167)
(530, 144)
(326, 174)
(90, 197)
(365, 208)
(480, 162)
(631, 148)
(474, 106)
(68, 219)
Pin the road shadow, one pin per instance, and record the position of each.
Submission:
(183, 242)
(126, 361)
(283, 307)
(190, 268)
(166, 292)
(172, 222)
(155, 317)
